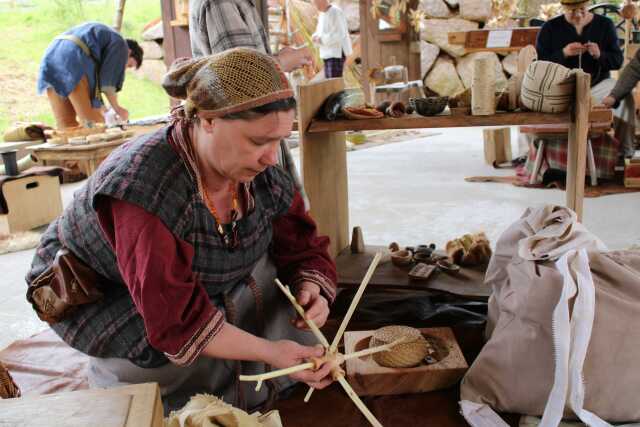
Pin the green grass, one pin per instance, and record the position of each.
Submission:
(27, 31)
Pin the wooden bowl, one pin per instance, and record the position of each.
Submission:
(429, 106)
(401, 258)
(448, 266)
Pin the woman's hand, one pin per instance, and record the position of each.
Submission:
(593, 49)
(315, 305)
(285, 353)
(574, 49)
(608, 101)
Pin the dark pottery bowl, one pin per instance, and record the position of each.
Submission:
(429, 106)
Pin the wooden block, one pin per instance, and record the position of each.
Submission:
(32, 201)
(357, 241)
(135, 405)
(421, 271)
(368, 378)
(497, 145)
(631, 174)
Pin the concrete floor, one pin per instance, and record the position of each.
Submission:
(411, 192)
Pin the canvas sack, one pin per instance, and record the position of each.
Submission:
(563, 335)
(547, 87)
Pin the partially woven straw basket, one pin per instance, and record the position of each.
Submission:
(406, 355)
(8, 388)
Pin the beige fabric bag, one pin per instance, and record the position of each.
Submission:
(547, 87)
(563, 327)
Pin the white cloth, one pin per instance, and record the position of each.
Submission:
(333, 31)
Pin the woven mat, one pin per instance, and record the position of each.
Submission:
(19, 241)
(602, 189)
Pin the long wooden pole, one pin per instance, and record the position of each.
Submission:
(312, 326)
(577, 150)
(117, 22)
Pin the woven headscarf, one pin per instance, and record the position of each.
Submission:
(229, 82)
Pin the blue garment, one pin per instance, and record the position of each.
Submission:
(64, 63)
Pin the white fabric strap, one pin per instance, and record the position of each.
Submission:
(561, 346)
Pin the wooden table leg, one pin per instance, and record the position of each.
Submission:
(577, 144)
(324, 166)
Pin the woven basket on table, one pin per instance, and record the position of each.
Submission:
(8, 387)
(408, 354)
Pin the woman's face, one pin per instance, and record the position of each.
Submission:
(576, 15)
(241, 149)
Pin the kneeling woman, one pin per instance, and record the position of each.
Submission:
(186, 229)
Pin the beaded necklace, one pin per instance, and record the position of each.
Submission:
(228, 232)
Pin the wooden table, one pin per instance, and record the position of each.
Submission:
(331, 407)
(88, 156)
(468, 283)
(324, 160)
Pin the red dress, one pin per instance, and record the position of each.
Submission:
(156, 267)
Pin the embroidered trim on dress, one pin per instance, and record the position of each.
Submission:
(192, 348)
(327, 287)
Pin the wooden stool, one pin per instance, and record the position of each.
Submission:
(32, 201)
(540, 132)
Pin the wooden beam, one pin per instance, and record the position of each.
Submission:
(117, 22)
(476, 40)
(324, 166)
(577, 149)
(447, 121)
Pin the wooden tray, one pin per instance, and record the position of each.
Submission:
(370, 379)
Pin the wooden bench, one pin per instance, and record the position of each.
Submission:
(540, 132)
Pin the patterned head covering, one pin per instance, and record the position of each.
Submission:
(228, 82)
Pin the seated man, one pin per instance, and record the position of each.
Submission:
(580, 39)
(621, 92)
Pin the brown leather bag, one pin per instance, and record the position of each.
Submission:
(62, 287)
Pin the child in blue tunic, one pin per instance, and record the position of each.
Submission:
(79, 66)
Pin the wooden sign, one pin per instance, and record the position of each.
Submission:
(502, 40)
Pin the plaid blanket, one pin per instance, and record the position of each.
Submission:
(605, 152)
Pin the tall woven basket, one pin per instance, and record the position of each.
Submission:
(483, 88)
(8, 387)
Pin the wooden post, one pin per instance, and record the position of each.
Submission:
(497, 145)
(577, 149)
(117, 22)
(324, 166)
